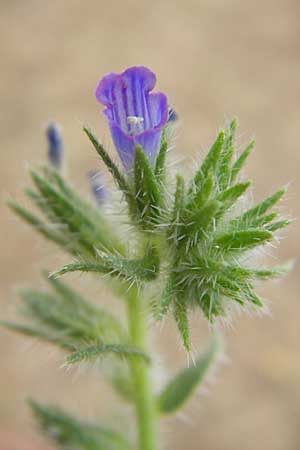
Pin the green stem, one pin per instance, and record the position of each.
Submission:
(146, 411)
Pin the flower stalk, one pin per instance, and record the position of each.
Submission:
(145, 404)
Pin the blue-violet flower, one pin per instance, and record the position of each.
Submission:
(135, 115)
(55, 145)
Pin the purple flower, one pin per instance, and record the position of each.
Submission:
(135, 116)
(98, 188)
(55, 145)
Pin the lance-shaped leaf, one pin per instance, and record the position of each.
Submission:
(169, 291)
(117, 175)
(79, 222)
(143, 269)
(224, 163)
(68, 432)
(181, 317)
(202, 194)
(160, 169)
(210, 163)
(232, 194)
(240, 162)
(199, 222)
(34, 331)
(238, 240)
(50, 232)
(176, 230)
(177, 392)
(65, 318)
(275, 226)
(148, 194)
(260, 209)
(92, 352)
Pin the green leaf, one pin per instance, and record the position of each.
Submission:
(202, 193)
(140, 269)
(182, 386)
(176, 229)
(35, 332)
(244, 239)
(97, 351)
(211, 161)
(143, 269)
(89, 228)
(147, 191)
(160, 170)
(118, 177)
(201, 220)
(224, 169)
(181, 317)
(53, 234)
(68, 432)
(262, 207)
(240, 162)
(275, 272)
(232, 194)
(278, 225)
(161, 307)
(66, 319)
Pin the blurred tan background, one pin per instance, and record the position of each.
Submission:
(215, 59)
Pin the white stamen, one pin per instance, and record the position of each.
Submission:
(135, 120)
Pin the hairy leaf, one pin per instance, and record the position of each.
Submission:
(243, 239)
(147, 190)
(70, 433)
(240, 162)
(92, 352)
(176, 393)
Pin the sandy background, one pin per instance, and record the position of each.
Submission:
(215, 59)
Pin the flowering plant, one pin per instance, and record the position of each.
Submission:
(188, 247)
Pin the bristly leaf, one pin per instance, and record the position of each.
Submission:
(65, 319)
(35, 332)
(147, 190)
(238, 240)
(232, 194)
(199, 223)
(178, 391)
(161, 307)
(93, 352)
(175, 232)
(160, 169)
(224, 164)
(48, 232)
(211, 161)
(181, 317)
(262, 207)
(137, 270)
(202, 193)
(68, 432)
(118, 177)
(278, 225)
(240, 162)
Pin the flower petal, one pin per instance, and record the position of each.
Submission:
(138, 81)
(124, 144)
(150, 141)
(158, 109)
(110, 92)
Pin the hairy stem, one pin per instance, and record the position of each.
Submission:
(146, 411)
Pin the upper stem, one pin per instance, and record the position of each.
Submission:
(146, 411)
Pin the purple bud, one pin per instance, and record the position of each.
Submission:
(98, 188)
(173, 116)
(55, 145)
(136, 115)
